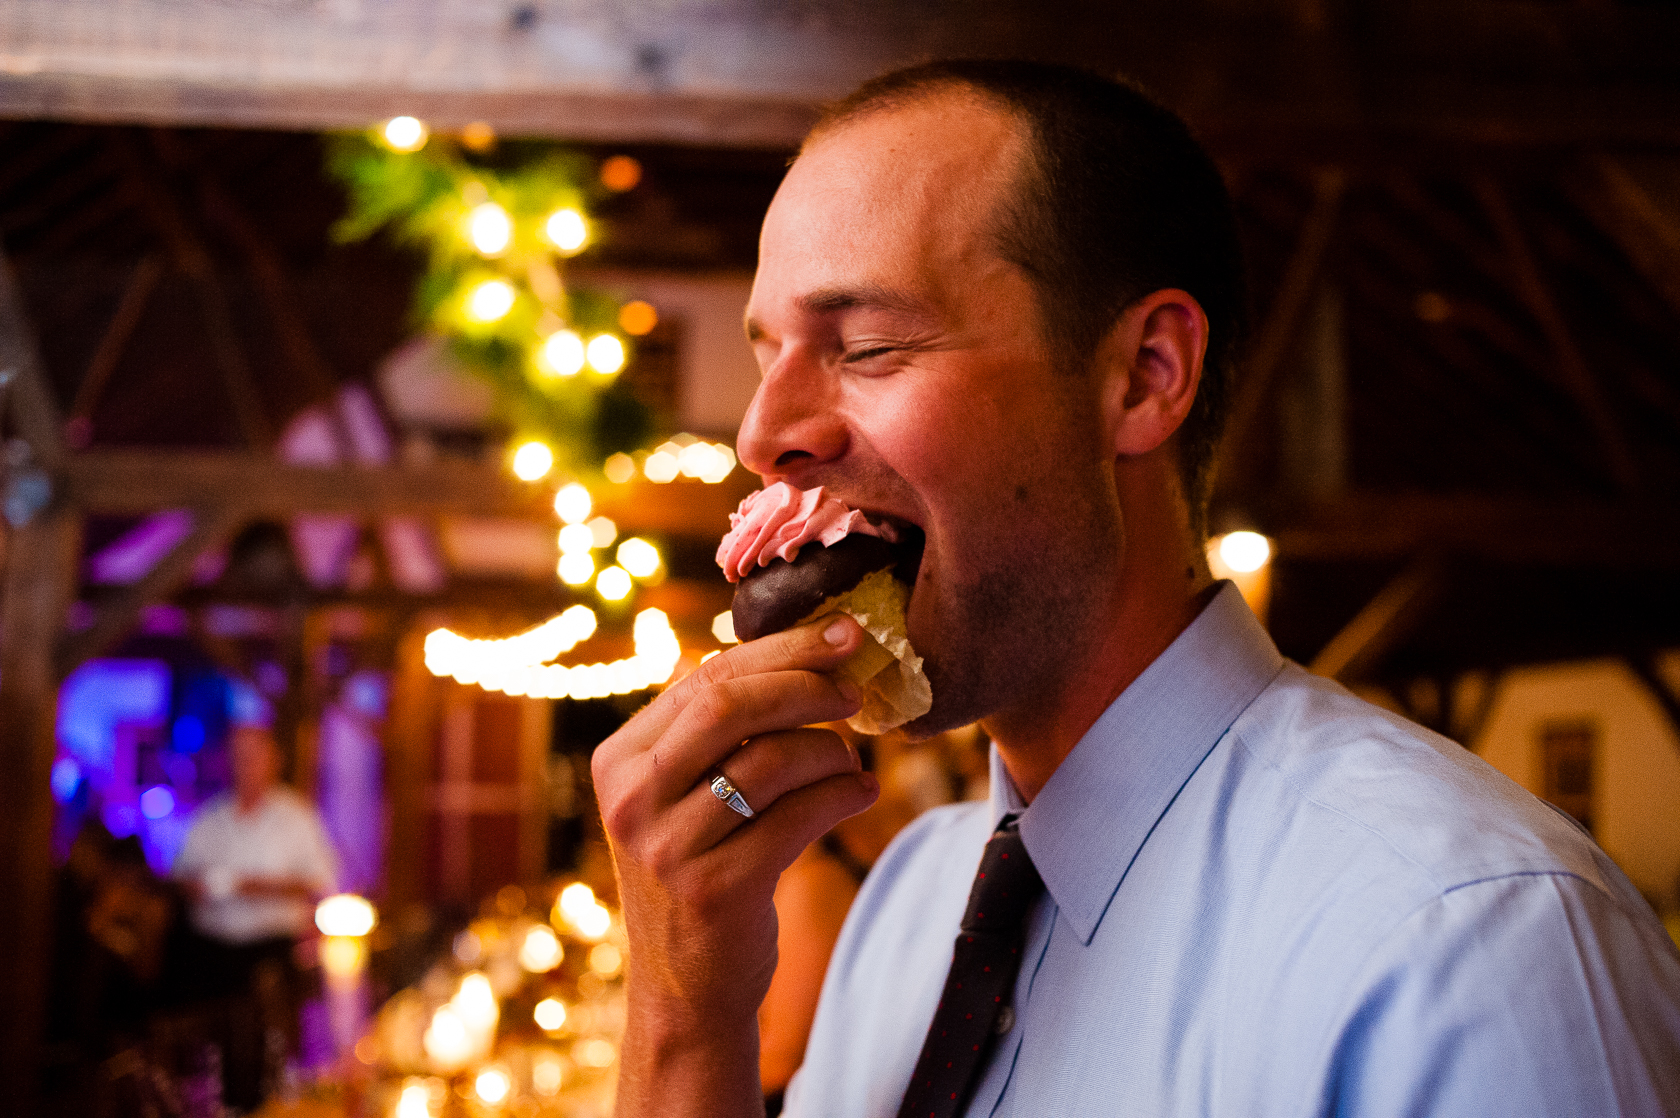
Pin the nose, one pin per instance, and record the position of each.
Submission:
(793, 427)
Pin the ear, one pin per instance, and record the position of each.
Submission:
(1152, 362)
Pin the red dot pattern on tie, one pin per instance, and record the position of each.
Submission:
(984, 963)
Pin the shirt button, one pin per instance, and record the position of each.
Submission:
(1005, 1020)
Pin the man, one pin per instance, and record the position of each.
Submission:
(996, 303)
(255, 862)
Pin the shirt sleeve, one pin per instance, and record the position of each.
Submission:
(320, 860)
(1532, 995)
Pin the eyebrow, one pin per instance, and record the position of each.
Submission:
(831, 299)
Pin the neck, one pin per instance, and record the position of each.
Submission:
(1160, 585)
(249, 800)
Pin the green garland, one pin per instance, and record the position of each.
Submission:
(444, 199)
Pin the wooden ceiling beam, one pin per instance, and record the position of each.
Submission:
(131, 482)
(752, 72)
(1628, 536)
(1385, 621)
(1537, 295)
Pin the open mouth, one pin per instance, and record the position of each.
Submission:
(911, 543)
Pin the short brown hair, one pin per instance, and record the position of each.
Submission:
(1119, 200)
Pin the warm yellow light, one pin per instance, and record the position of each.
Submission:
(723, 461)
(532, 461)
(343, 957)
(595, 1052)
(489, 228)
(475, 1002)
(345, 914)
(605, 959)
(606, 354)
(572, 504)
(723, 628)
(405, 133)
(446, 1041)
(604, 531)
(540, 951)
(546, 1074)
(576, 568)
(620, 173)
(637, 318)
(1244, 551)
(575, 898)
(661, 466)
(478, 136)
(576, 539)
(415, 1101)
(638, 557)
(550, 1015)
(613, 584)
(563, 353)
(492, 1085)
(567, 229)
(619, 469)
(490, 301)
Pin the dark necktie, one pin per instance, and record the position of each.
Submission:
(975, 1007)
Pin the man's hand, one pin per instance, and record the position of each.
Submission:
(696, 879)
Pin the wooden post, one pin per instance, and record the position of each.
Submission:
(40, 578)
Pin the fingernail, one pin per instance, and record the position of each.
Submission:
(836, 632)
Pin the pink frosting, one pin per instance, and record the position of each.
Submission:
(774, 523)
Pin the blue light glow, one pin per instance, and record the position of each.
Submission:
(187, 735)
(66, 777)
(156, 802)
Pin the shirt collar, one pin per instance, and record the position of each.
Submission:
(1093, 815)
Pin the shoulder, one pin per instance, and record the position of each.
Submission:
(1333, 762)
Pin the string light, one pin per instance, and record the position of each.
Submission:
(575, 538)
(415, 1100)
(606, 354)
(546, 1074)
(532, 461)
(489, 228)
(620, 173)
(688, 456)
(613, 584)
(492, 1085)
(490, 301)
(575, 568)
(619, 468)
(604, 532)
(572, 504)
(567, 230)
(563, 353)
(522, 668)
(550, 1015)
(723, 628)
(638, 557)
(449, 653)
(637, 318)
(540, 951)
(577, 909)
(405, 134)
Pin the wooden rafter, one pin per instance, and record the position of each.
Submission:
(114, 341)
(1383, 623)
(1647, 234)
(1282, 323)
(194, 259)
(1537, 296)
(117, 617)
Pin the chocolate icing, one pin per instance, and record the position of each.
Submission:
(779, 595)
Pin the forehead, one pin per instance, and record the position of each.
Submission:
(900, 195)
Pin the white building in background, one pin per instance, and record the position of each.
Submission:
(1591, 737)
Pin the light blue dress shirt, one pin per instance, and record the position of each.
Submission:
(1267, 897)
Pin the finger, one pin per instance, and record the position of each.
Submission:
(818, 647)
(768, 845)
(763, 770)
(718, 719)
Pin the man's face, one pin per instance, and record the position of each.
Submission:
(904, 368)
(255, 762)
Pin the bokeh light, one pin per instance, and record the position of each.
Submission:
(563, 353)
(572, 504)
(532, 461)
(613, 584)
(490, 301)
(1244, 551)
(638, 556)
(489, 228)
(405, 133)
(606, 354)
(567, 230)
(637, 318)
